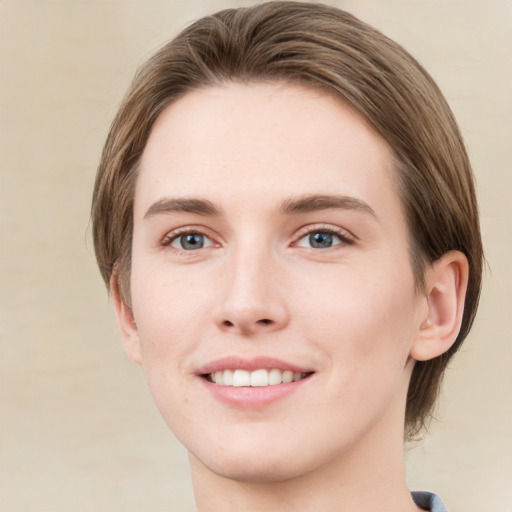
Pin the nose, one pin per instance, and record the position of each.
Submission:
(252, 298)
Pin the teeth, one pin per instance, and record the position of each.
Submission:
(259, 378)
(274, 377)
(241, 378)
(256, 378)
(287, 376)
(228, 378)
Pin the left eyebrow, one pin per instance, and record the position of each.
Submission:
(314, 202)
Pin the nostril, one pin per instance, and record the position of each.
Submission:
(228, 324)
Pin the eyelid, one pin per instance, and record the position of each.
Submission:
(345, 236)
(172, 235)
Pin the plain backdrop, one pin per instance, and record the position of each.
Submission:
(78, 430)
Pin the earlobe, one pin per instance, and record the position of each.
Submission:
(129, 332)
(446, 283)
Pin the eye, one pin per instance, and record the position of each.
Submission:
(190, 241)
(322, 239)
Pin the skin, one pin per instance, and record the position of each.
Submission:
(349, 313)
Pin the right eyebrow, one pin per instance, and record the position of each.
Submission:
(184, 205)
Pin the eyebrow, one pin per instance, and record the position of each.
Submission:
(303, 204)
(314, 202)
(182, 205)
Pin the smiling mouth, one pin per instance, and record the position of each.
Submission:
(256, 378)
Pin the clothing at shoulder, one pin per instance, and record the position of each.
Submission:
(428, 501)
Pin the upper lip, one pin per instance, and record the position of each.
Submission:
(249, 364)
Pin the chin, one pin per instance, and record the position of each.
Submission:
(263, 470)
(249, 460)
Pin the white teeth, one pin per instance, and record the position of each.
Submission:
(228, 378)
(256, 378)
(274, 377)
(259, 378)
(241, 378)
(287, 376)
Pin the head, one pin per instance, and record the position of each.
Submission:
(332, 52)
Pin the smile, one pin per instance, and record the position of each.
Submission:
(256, 378)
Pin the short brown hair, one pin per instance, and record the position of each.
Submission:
(327, 48)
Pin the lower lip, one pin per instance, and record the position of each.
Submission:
(246, 397)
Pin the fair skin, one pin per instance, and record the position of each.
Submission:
(268, 235)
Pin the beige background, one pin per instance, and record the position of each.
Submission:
(78, 431)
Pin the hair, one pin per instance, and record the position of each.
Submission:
(322, 47)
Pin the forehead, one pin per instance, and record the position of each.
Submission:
(262, 137)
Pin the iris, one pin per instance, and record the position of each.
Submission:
(191, 241)
(320, 240)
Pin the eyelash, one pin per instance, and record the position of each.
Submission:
(344, 237)
(176, 234)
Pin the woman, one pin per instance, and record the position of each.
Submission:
(285, 216)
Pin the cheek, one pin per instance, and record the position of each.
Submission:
(363, 318)
(167, 305)
(366, 336)
(167, 321)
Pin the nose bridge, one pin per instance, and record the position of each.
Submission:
(251, 298)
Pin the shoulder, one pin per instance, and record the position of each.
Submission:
(428, 501)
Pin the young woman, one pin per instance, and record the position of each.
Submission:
(285, 216)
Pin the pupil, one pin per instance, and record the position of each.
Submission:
(192, 241)
(320, 240)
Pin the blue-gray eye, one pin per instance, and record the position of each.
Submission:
(320, 240)
(191, 242)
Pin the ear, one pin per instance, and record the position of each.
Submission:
(129, 332)
(445, 290)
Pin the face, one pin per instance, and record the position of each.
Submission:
(273, 299)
